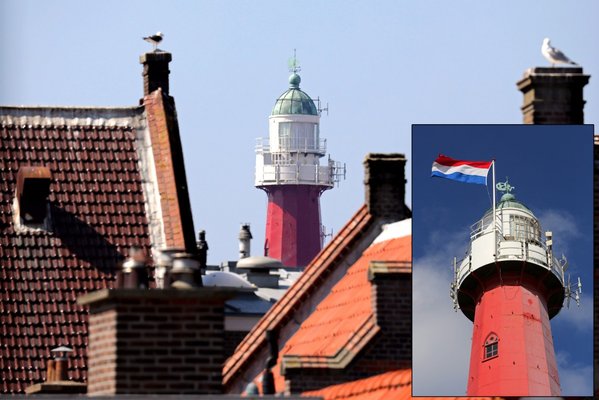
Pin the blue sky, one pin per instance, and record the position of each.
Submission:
(551, 168)
(380, 68)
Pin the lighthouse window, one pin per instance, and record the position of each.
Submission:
(491, 350)
(524, 229)
(491, 346)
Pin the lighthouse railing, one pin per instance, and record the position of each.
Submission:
(280, 174)
(291, 144)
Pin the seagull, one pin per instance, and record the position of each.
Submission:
(154, 39)
(555, 56)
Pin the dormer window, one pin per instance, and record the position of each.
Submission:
(491, 346)
(31, 196)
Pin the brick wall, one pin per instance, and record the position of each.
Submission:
(168, 153)
(155, 341)
(392, 292)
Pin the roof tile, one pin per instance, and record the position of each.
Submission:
(94, 204)
(390, 385)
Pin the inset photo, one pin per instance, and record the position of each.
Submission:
(502, 260)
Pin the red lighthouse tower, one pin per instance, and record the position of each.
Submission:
(510, 285)
(288, 169)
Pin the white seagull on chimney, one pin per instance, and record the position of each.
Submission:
(553, 55)
(154, 39)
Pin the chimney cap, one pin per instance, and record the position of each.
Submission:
(157, 56)
(259, 263)
(62, 349)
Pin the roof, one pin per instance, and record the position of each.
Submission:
(97, 211)
(312, 279)
(345, 319)
(395, 385)
(105, 196)
(294, 100)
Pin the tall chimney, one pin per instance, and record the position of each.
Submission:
(155, 71)
(553, 95)
(385, 181)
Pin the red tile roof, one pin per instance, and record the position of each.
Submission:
(395, 385)
(312, 279)
(98, 212)
(346, 316)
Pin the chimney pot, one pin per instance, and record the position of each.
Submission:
(134, 273)
(50, 375)
(245, 237)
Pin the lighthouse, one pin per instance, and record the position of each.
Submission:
(289, 170)
(510, 285)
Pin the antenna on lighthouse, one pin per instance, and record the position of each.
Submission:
(573, 294)
(293, 64)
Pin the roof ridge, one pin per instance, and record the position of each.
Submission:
(277, 313)
(391, 379)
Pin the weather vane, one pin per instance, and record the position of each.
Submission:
(294, 64)
(505, 187)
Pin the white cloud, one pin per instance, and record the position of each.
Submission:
(441, 337)
(562, 224)
(575, 379)
(580, 318)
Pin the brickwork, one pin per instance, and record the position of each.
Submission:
(155, 71)
(553, 95)
(142, 341)
(232, 340)
(393, 311)
(384, 179)
(170, 174)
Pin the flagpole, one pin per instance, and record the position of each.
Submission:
(494, 214)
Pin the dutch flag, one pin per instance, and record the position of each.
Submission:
(460, 170)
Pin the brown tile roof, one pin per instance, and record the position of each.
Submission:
(395, 385)
(345, 318)
(97, 210)
(312, 278)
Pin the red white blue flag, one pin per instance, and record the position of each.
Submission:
(460, 170)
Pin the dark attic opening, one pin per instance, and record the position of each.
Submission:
(33, 188)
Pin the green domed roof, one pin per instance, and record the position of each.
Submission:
(294, 100)
(508, 200)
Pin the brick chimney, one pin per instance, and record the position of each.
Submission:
(392, 298)
(384, 177)
(144, 341)
(553, 95)
(155, 71)
(167, 150)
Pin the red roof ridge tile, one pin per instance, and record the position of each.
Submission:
(395, 384)
(308, 281)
